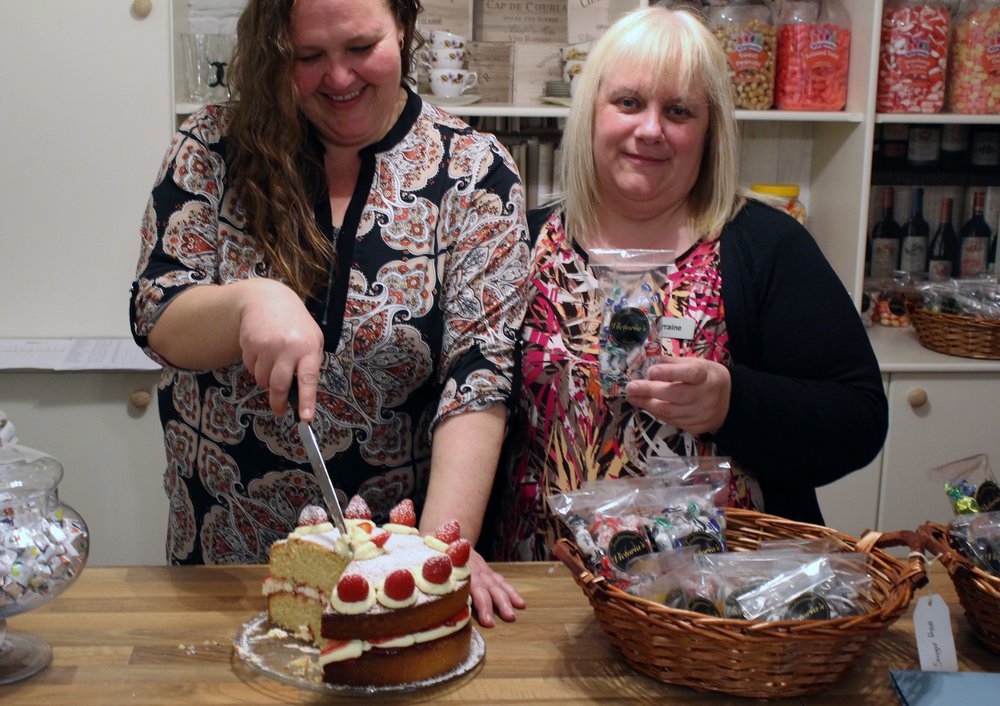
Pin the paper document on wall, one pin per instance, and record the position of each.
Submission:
(73, 354)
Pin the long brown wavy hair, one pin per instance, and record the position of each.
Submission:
(276, 172)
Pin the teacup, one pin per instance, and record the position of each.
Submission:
(437, 58)
(441, 39)
(572, 69)
(449, 83)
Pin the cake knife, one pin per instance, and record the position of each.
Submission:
(311, 445)
(322, 477)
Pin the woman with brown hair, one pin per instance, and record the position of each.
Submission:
(329, 230)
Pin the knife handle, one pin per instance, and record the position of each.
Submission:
(293, 398)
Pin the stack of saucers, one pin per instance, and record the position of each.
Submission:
(557, 89)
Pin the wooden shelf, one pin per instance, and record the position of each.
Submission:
(937, 177)
(937, 118)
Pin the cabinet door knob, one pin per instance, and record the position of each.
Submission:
(141, 8)
(917, 397)
(141, 398)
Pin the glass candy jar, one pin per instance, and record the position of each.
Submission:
(913, 56)
(745, 28)
(814, 47)
(974, 69)
(43, 548)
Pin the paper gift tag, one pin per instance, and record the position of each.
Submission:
(935, 642)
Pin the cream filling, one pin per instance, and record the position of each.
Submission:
(303, 530)
(275, 585)
(460, 573)
(388, 602)
(352, 649)
(367, 550)
(400, 529)
(435, 589)
(355, 648)
(435, 543)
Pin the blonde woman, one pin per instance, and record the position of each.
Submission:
(771, 364)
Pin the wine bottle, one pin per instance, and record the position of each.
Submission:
(974, 240)
(913, 247)
(942, 255)
(885, 239)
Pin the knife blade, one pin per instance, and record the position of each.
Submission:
(311, 445)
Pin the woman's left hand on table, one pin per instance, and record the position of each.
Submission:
(491, 591)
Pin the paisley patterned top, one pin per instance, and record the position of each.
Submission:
(568, 432)
(420, 326)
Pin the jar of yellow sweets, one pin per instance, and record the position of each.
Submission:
(783, 196)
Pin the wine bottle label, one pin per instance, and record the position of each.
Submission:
(924, 146)
(972, 256)
(913, 255)
(939, 270)
(885, 255)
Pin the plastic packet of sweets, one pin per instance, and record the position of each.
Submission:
(715, 471)
(630, 283)
(977, 537)
(828, 586)
(617, 520)
(969, 484)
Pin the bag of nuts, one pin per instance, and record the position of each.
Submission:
(745, 28)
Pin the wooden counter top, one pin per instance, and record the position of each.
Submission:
(163, 635)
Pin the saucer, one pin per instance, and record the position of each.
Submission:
(564, 101)
(464, 99)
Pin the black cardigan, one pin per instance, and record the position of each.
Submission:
(808, 405)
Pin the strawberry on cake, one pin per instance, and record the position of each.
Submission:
(396, 611)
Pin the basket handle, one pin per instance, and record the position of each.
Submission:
(935, 539)
(569, 554)
(916, 572)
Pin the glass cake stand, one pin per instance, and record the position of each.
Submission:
(279, 655)
(43, 548)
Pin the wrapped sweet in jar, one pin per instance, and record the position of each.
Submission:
(814, 46)
(913, 56)
(783, 196)
(974, 68)
(745, 28)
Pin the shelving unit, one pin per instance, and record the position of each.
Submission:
(829, 154)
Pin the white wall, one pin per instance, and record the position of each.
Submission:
(87, 117)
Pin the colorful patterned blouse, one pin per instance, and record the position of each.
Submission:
(569, 433)
(422, 326)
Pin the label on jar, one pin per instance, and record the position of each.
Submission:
(990, 58)
(823, 52)
(749, 53)
(915, 61)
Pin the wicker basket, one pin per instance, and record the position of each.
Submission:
(978, 591)
(744, 657)
(967, 336)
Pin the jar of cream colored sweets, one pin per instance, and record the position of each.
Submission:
(745, 28)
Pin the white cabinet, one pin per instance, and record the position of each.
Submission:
(111, 452)
(961, 417)
(86, 121)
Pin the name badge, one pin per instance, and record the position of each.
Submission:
(671, 327)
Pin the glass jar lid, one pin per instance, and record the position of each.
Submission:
(25, 474)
